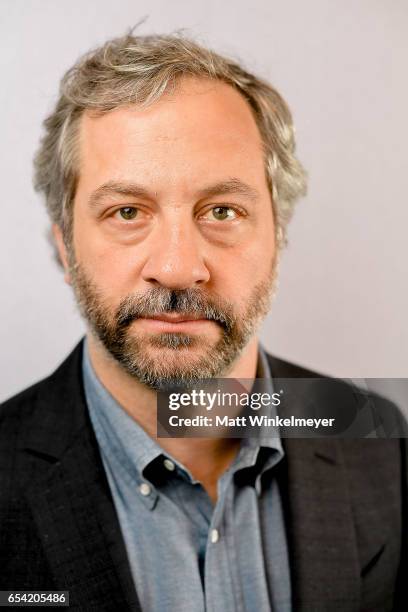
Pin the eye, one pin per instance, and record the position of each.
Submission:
(221, 213)
(128, 213)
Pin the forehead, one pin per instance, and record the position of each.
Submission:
(202, 123)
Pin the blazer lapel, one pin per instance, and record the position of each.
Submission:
(323, 552)
(322, 544)
(70, 498)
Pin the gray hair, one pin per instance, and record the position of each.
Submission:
(139, 70)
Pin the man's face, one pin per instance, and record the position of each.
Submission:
(173, 250)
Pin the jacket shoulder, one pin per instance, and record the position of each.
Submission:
(18, 409)
(23, 402)
(280, 368)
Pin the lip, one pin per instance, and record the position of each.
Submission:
(173, 322)
(175, 317)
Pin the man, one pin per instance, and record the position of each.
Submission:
(170, 175)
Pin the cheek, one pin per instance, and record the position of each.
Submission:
(114, 269)
(246, 263)
(117, 271)
(240, 272)
(253, 261)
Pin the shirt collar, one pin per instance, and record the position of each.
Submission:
(124, 442)
(268, 437)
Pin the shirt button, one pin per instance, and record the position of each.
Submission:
(145, 489)
(215, 536)
(169, 465)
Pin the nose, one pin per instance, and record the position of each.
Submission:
(175, 257)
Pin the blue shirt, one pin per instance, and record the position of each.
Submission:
(187, 554)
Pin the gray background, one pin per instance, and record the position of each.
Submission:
(342, 65)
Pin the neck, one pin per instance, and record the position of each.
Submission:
(206, 458)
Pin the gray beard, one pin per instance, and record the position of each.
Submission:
(175, 368)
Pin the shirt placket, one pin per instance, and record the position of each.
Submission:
(220, 594)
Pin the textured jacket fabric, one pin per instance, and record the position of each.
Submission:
(345, 502)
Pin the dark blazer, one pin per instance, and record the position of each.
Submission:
(345, 508)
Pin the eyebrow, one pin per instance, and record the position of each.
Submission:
(230, 186)
(233, 185)
(117, 188)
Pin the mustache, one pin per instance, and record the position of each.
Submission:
(160, 300)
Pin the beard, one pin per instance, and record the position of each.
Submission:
(178, 359)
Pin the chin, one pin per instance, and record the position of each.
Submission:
(177, 352)
(158, 365)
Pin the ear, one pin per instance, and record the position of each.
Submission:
(62, 251)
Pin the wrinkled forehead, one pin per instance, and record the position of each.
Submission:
(192, 106)
(199, 127)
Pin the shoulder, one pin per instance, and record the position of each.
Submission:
(17, 413)
(358, 410)
(280, 368)
(371, 434)
(38, 424)
(22, 403)
(19, 410)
